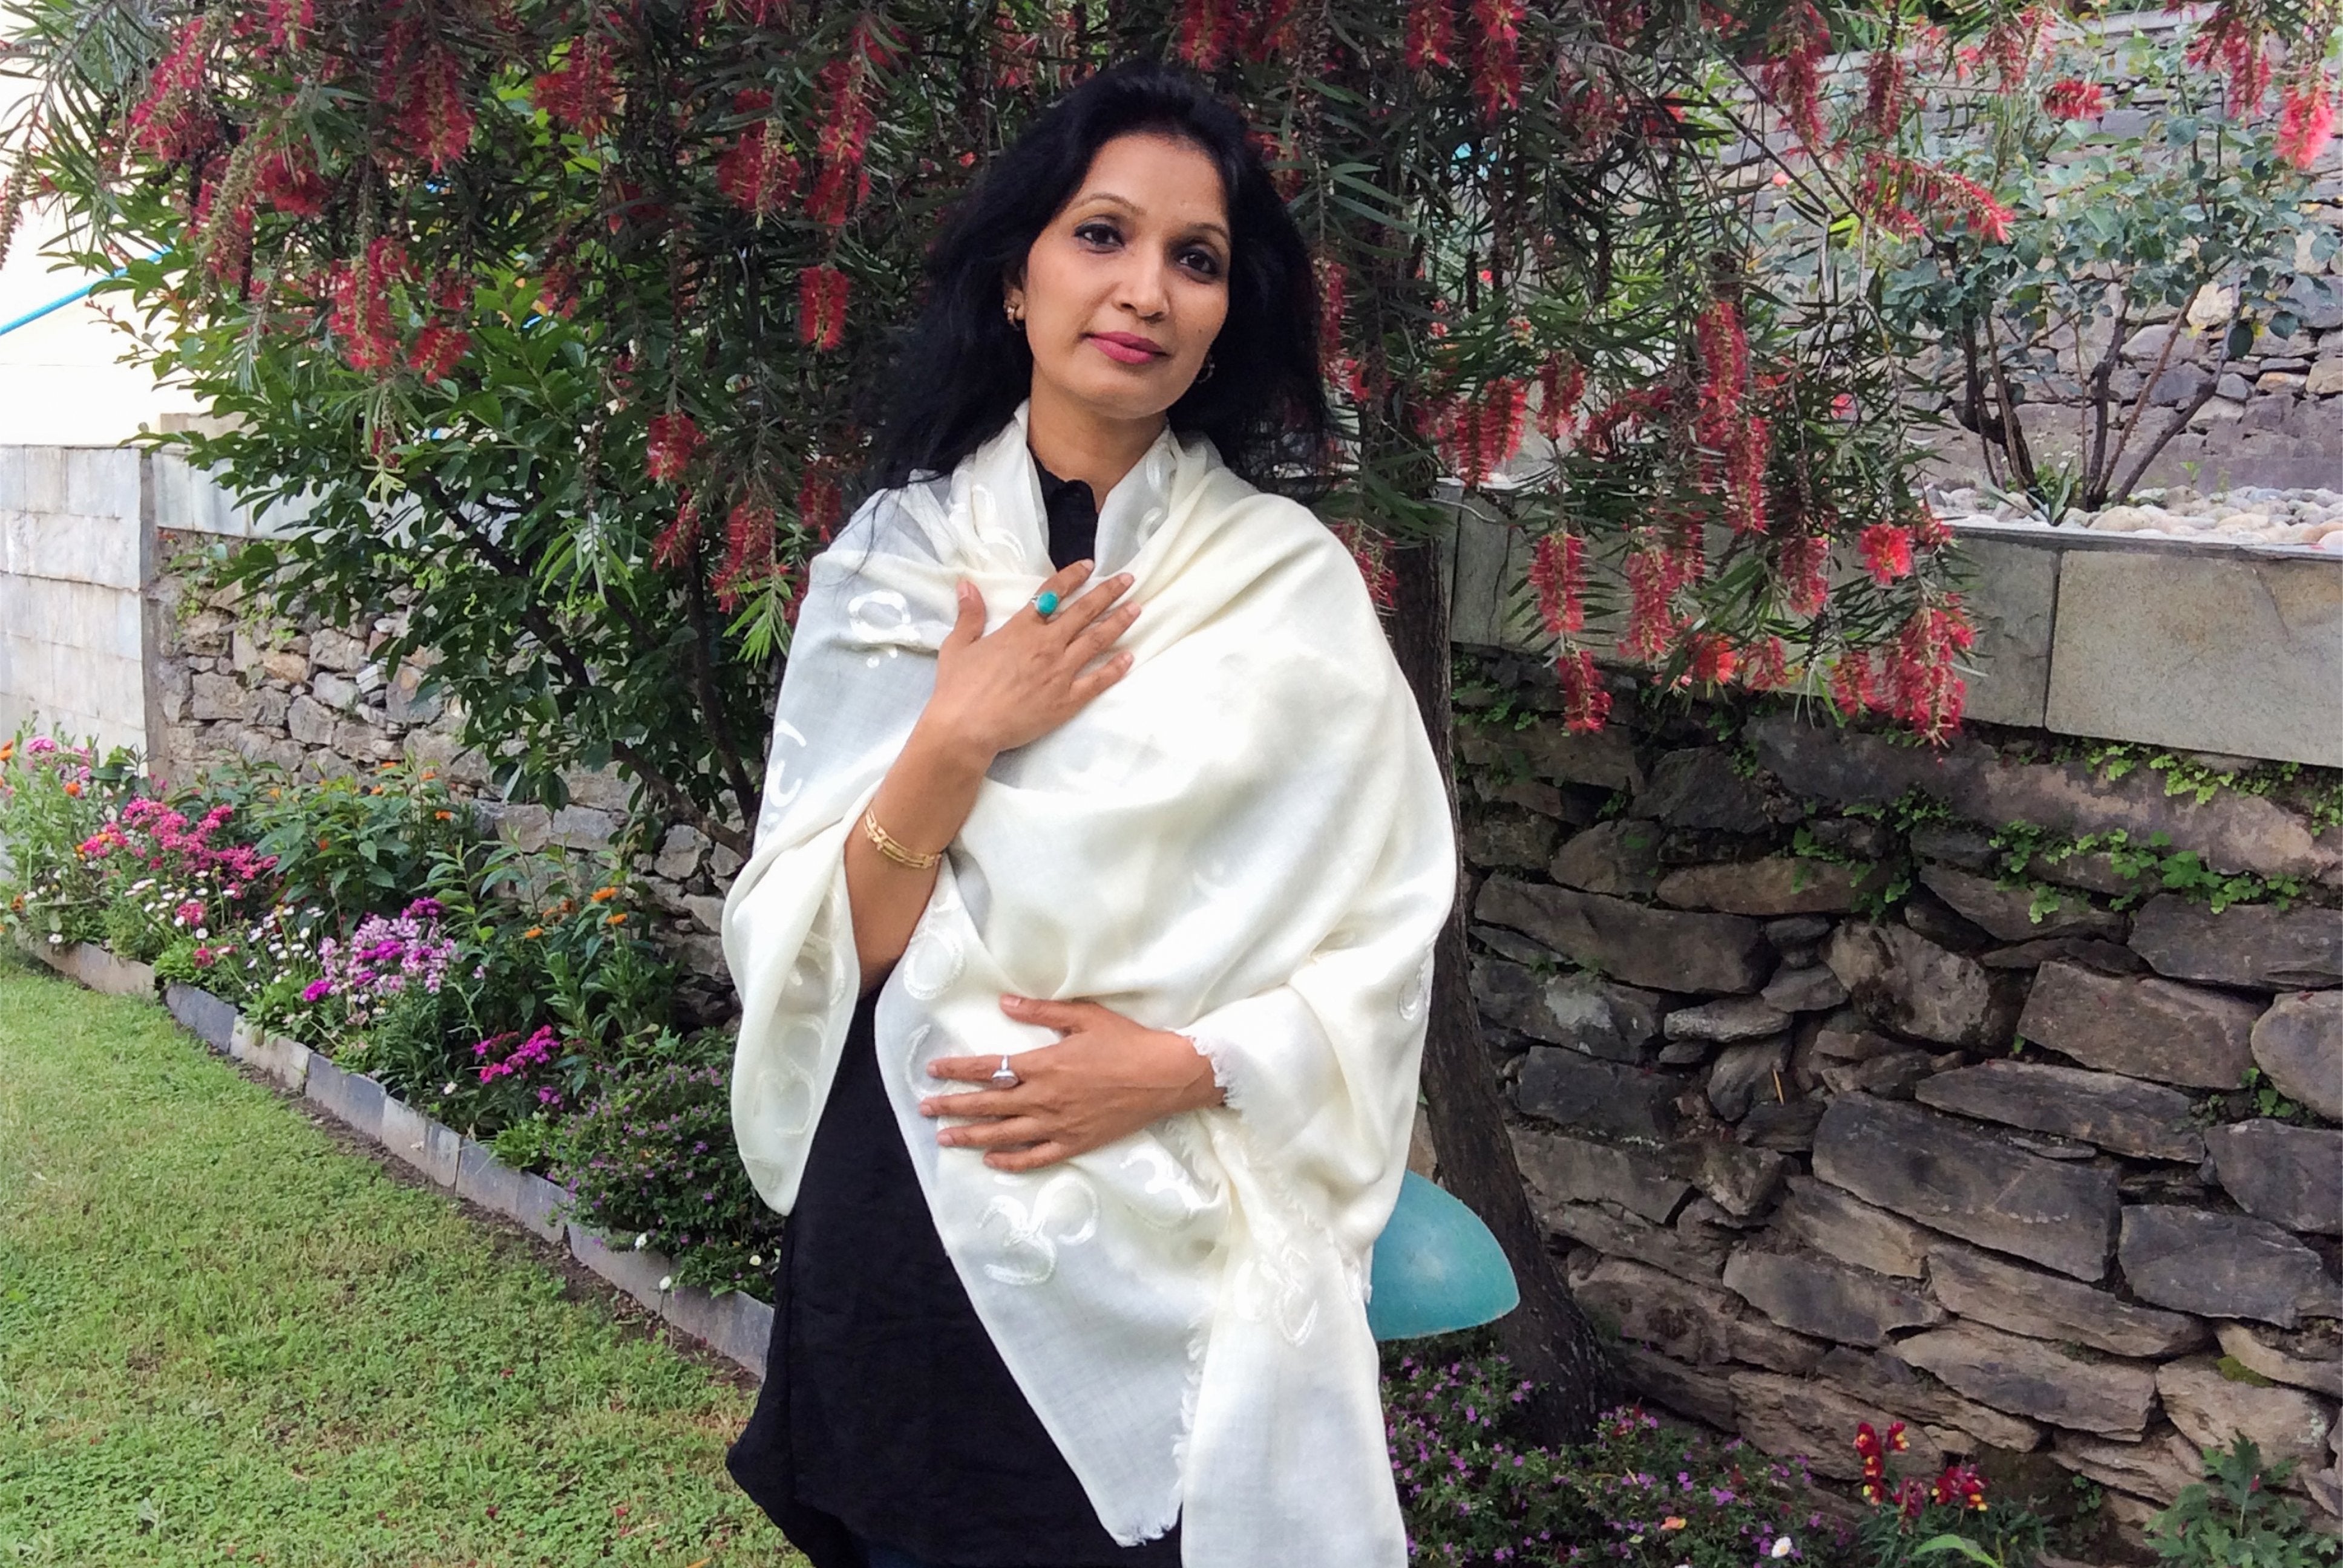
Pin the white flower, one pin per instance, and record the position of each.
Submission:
(1782, 1548)
(55, 940)
(202, 934)
(449, 1090)
(755, 1262)
(667, 1281)
(642, 1241)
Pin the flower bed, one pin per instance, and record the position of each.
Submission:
(371, 923)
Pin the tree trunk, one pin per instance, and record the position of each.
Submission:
(1549, 1339)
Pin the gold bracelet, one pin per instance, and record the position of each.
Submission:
(891, 849)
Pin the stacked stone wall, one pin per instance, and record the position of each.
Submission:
(1838, 1113)
(316, 700)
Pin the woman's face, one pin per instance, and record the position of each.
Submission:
(1124, 291)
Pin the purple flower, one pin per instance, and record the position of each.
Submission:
(318, 990)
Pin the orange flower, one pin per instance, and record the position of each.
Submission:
(618, 919)
(7, 749)
(428, 774)
(443, 816)
(1672, 1523)
(604, 895)
(531, 934)
(73, 788)
(325, 843)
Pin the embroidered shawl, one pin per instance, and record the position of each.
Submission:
(1246, 840)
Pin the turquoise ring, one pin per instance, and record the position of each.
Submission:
(1046, 602)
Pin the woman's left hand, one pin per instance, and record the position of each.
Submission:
(1107, 1077)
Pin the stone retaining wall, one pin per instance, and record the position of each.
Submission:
(1841, 1113)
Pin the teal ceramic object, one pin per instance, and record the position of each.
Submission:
(1437, 1269)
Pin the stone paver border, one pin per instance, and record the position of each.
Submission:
(735, 1325)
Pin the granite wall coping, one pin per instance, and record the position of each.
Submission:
(2195, 647)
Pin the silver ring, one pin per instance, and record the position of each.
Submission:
(1005, 1076)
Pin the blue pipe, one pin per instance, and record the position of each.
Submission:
(59, 304)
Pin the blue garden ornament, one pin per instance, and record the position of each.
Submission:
(1437, 1269)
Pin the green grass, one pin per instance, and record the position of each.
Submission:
(225, 1339)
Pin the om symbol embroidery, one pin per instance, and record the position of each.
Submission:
(1064, 1214)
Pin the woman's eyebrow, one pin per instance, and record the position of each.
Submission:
(1219, 231)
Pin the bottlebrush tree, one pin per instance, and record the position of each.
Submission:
(557, 315)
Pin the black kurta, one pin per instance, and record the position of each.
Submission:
(886, 1412)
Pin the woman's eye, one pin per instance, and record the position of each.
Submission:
(1202, 263)
(1095, 233)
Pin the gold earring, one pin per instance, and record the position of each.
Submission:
(1015, 312)
(1205, 374)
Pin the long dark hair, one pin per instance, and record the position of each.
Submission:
(963, 369)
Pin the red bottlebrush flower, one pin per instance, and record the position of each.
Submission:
(676, 541)
(1561, 382)
(290, 183)
(1585, 703)
(1276, 31)
(1886, 92)
(1204, 32)
(1333, 299)
(1899, 192)
(1654, 576)
(757, 172)
(2072, 98)
(1922, 689)
(450, 289)
(439, 350)
(1724, 371)
(175, 120)
(2012, 42)
(291, 23)
(1624, 415)
(837, 191)
(1791, 74)
(1854, 690)
(822, 306)
(1886, 552)
(668, 446)
(748, 549)
(1558, 577)
(430, 116)
(2305, 123)
(1714, 659)
(1368, 552)
(1802, 566)
(2234, 36)
(559, 293)
(1767, 665)
(360, 315)
(1483, 435)
(1745, 475)
(821, 501)
(1931, 532)
(1496, 56)
(1430, 34)
(846, 116)
(582, 92)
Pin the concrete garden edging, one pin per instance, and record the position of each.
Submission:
(735, 1325)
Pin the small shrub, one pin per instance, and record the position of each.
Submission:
(54, 797)
(650, 1154)
(2235, 1518)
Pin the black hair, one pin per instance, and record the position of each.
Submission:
(961, 369)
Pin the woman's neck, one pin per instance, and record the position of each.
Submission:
(1075, 442)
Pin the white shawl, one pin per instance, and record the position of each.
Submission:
(1246, 840)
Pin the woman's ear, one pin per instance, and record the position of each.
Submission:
(1012, 297)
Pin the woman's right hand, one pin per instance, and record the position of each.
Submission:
(996, 692)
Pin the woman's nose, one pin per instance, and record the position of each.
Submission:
(1139, 289)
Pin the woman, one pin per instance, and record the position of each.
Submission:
(1085, 949)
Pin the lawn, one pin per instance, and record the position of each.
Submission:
(224, 1337)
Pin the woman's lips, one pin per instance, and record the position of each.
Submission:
(1125, 349)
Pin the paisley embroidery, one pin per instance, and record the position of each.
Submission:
(776, 797)
(1065, 1201)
